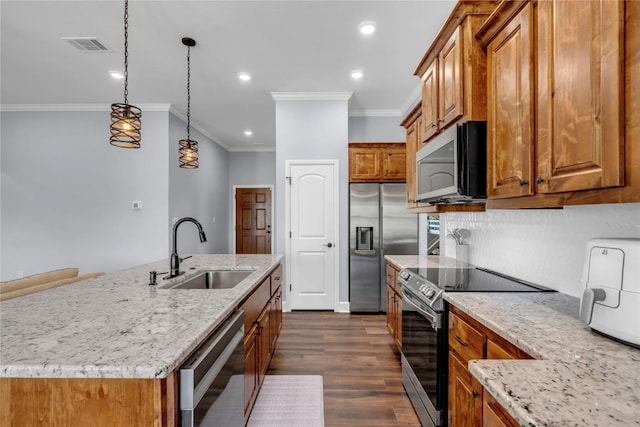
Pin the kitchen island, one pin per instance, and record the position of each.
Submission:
(117, 327)
(578, 378)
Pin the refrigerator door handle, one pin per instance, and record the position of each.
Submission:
(361, 252)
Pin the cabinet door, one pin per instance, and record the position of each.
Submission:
(251, 366)
(429, 102)
(494, 415)
(390, 310)
(364, 164)
(580, 124)
(412, 147)
(465, 395)
(450, 80)
(510, 136)
(397, 324)
(264, 332)
(394, 163)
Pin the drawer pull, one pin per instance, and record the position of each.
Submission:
(462, 343)
(276, 278)
(475, 393)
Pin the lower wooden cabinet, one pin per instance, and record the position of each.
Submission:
(394, 306)
(263, 312)
(470, 405)
(494, 415)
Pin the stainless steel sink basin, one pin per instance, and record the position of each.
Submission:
(214, 279)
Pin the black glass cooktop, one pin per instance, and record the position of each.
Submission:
(475, 280)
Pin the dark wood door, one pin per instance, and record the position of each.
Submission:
(253, 221)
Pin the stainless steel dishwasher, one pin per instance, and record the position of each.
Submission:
(212, 379)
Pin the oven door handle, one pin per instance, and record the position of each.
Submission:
(431, 316)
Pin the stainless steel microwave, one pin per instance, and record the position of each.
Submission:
(452, 168)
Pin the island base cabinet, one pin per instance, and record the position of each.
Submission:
(494, 415)
(88, 401)
(465, 395)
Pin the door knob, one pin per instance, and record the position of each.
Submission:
(329, 245)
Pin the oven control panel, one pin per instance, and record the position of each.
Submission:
(429, 293)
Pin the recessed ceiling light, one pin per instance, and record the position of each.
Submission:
(116, 75)
(356, 74)
(248, 132)
(245, 77)
(367, 27)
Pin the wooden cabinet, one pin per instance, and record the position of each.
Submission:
(562, 117)
(510, 133)
(394, 306)
(469, 405)
(494, 415)
(263, 322)
(453, 70)
(377, 162)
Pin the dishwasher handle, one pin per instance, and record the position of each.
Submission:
(202, 368)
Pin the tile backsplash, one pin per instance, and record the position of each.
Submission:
(543, 246)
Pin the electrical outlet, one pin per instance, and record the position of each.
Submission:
(213, 220)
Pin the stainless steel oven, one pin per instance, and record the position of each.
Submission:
(212, 379)
(424, 359)
(425, 346)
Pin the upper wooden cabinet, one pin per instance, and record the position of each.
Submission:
(453, 71)
(580, 126)
(510, 84)
(561, 115)
(377, 162)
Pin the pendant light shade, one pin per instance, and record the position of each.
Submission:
(126, 120)
(188, 148)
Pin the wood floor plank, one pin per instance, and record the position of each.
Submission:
(358, 361)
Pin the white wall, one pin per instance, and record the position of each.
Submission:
(543, 246)
(198, 193)
(376, 129)
(66, 193)
(314, 130)
(255, 168)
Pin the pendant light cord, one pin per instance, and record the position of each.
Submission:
(189, 93)
(126, 51)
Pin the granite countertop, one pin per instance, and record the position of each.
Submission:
(579, 378)
(116, 325)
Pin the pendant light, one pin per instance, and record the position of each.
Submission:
(188, 148)
(125, 119)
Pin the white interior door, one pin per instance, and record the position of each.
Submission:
(313, 215)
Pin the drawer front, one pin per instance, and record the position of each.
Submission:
(465, 340)
(276, 279)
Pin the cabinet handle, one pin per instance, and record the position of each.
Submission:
(432, 125)
(440, 121)
(523, 183)
(475, 393)
(276, 278)
(462, 343)
(539, 180)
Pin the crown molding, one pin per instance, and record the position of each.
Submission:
(200, 129)
(75, 107)
(375, 113)
(311, 96)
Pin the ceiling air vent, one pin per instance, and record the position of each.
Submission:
(87, 44)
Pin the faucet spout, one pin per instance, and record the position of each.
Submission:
(175, 259)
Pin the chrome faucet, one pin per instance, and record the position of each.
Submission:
(175, 259)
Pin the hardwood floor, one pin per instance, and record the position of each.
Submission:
(358, 361)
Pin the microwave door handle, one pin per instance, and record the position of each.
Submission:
(432, 317)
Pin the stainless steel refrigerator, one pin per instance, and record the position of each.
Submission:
(379, 225)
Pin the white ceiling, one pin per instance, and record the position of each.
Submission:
(287, 46)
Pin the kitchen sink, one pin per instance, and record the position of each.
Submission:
(214, 279)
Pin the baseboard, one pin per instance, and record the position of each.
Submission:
(342, 307)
